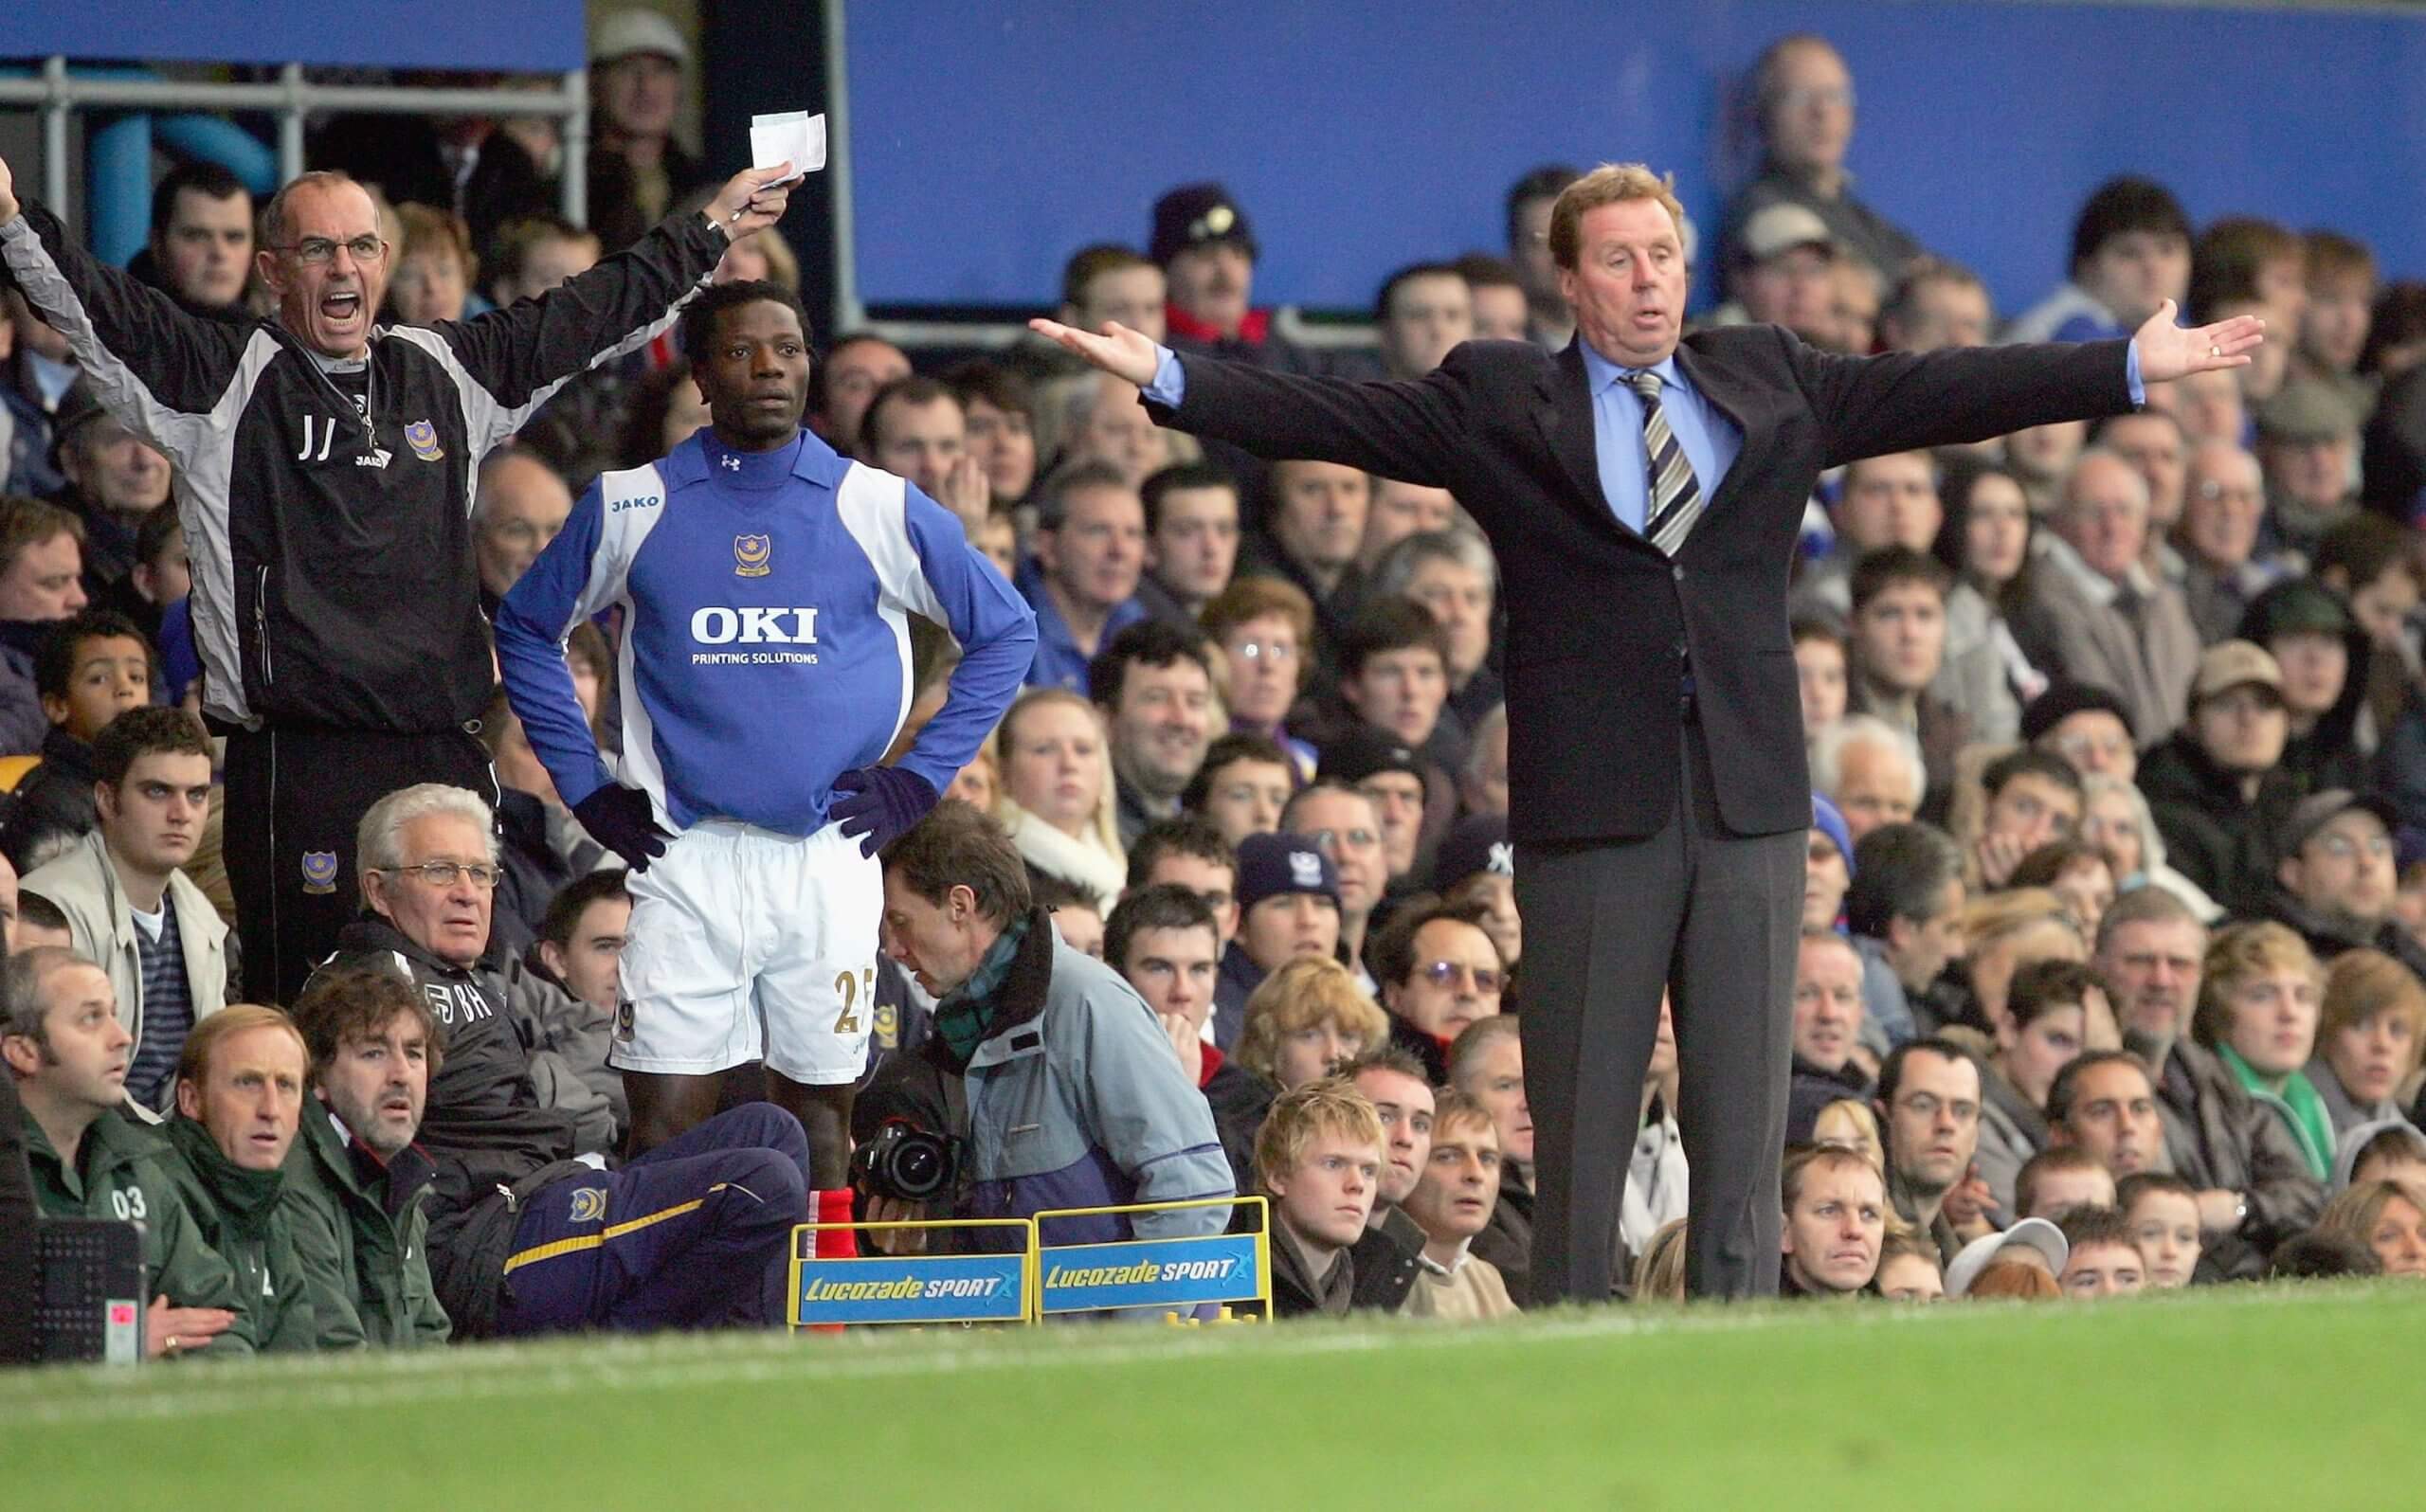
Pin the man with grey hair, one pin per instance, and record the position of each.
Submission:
(2116, 623)
(696, 1233)
(522, 504)
(2223, 497)
(1802, 99)
(1453, 574)
(1871, 770)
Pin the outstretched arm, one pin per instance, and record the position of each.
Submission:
(1409, 431)
(518, 357)
(1905, 400)
(159, 369)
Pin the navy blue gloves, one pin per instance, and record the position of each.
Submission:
(878, 803)
(620, 818)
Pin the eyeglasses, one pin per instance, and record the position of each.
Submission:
(2341, 847)
(1279, 653)
(443, 873)
(1445, 974)
(315, 250)
(1327, 842)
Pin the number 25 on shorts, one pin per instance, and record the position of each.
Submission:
(851, 986)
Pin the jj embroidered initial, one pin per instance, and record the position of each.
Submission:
(328, 435)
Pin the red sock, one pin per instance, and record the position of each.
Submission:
(834, 1207)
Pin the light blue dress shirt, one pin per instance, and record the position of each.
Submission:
(1710, 440)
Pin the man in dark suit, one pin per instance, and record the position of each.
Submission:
(1644, 495)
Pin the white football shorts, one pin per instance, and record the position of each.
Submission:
(746, 944)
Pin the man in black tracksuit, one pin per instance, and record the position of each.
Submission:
(325, 475)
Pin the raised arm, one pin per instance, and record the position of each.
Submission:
(518, 357)
(1409, 431)
(160, 370)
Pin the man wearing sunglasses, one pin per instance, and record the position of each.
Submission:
(1439, 973)
(527, 1231)
(325, 471)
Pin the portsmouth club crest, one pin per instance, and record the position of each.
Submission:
(320, 872)
(752, 554)
(422, 438)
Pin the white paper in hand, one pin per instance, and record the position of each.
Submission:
(788, 135)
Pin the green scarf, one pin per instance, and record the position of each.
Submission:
(245, 1199)
(965, 1016)
(2297, 1101)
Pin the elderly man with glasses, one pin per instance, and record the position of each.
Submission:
(325, 470)
(529, 1232)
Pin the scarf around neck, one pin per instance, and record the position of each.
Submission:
(2299, 1103)
(965, 1016)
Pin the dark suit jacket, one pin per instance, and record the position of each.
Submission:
(1601, 627)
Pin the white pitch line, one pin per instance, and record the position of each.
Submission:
(454, 1374)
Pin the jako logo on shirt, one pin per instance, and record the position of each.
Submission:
(719, 626)
(751, 555)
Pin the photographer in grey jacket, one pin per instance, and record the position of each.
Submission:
(1044, 1067)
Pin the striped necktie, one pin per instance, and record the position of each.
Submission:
(1676, 500)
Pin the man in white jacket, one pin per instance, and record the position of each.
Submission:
(128, 905)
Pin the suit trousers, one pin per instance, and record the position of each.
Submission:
(1714, 920)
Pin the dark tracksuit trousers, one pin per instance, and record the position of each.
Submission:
(295, 796)
(697, 1233)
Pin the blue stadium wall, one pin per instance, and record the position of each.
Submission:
(992, 140)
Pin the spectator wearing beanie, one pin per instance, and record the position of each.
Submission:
(1475, 867)
(1276, 872)
(2086, 726)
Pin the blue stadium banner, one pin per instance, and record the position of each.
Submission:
(1148, 1273)
(510, 36)
(911, 1289)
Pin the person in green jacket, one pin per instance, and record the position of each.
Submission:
(67, 1054)
(238, 1091)
(356, 1179)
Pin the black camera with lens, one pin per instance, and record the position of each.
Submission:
(904, 1163)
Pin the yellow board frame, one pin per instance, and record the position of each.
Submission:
(809, 1232)
(1262, 1235)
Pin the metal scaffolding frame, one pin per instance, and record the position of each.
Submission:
(59, 92)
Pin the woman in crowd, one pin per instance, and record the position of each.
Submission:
(2115, 817)
(1985, 540)
(2007, 931)
(1265, 628)
(2388, 1215)
(2078, 873)
(2367, 1038)
(434, 268)
(2258, 1011)
(1056, 798)
(1002, 428)
(1306, 1017)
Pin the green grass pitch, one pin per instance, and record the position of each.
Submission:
(2241, 1397)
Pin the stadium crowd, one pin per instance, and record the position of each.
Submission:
(2115, 918)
